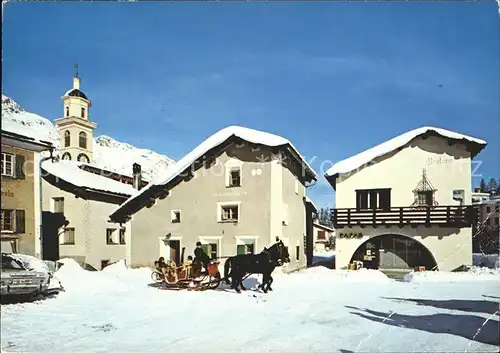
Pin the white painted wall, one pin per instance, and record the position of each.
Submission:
(448, 168)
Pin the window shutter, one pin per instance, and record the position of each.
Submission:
(19, 167)
(20, 221)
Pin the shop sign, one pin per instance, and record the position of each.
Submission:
(351, 235)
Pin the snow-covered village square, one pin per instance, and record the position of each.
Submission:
(241, 177)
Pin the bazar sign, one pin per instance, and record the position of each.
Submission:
(351, 235)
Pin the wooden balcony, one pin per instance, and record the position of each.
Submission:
(443, 216)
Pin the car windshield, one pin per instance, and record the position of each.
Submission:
(9, 263)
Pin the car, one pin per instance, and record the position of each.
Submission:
(26, 276)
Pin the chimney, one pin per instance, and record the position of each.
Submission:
(136, 173)
(76, 82)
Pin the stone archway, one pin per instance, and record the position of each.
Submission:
(394, 252)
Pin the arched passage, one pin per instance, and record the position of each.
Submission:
(394, 251)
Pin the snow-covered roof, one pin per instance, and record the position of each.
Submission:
(70, 172)
(317, 224)
(37, 134)
(312, 203)
(361, 159)
(247, 134)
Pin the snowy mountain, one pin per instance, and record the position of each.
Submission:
(109, 154)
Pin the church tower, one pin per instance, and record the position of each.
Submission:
(75, 129)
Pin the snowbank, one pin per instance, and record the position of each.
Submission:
(365, 157)
(473, 275)
(361, 275)
(111, 278)
(483, 260)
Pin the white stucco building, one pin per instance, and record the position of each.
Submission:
(77, 198)
(406, 203)
(236, 192)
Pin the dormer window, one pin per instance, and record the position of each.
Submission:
(83, 113)
(424, 193)
(424, 198)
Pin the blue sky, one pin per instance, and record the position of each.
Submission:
(335, 78)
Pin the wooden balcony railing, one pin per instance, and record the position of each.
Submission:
(444, 216)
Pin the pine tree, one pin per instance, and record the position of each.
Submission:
(482, 185)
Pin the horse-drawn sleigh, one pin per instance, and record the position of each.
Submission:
(192, 277)
(187, 276)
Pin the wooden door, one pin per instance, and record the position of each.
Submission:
(175, 253)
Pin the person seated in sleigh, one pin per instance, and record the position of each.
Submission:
(200, 257)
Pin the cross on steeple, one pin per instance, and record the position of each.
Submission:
(76, 69)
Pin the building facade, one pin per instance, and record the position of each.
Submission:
(20, 214)
(406, 202)
(323, 237)
(78, 198)
(234, 193)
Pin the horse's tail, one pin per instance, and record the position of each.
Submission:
(227, 265)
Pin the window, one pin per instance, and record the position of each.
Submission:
(82, 157)
(488, 209)
(425, 198)
(82, 139)
(122, 236)
(373, 198)
(321, 235)
(68, 236)
(8, 164)
(297, 252)
(234, 177)
(175, 216)
(210, 249)
(83, 113)
(242, 249)
(7, 220)
(67, 138)
(66, 156)
(58, 204)
(67, 111)
(229, 213)
(110, 236)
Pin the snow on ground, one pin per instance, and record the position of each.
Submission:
(474, 274)
(316, 310)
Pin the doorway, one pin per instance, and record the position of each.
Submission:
(394, 252)
(175, 250)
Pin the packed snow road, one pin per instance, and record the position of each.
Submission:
(316, 310)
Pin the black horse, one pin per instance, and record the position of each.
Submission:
(264, 263)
